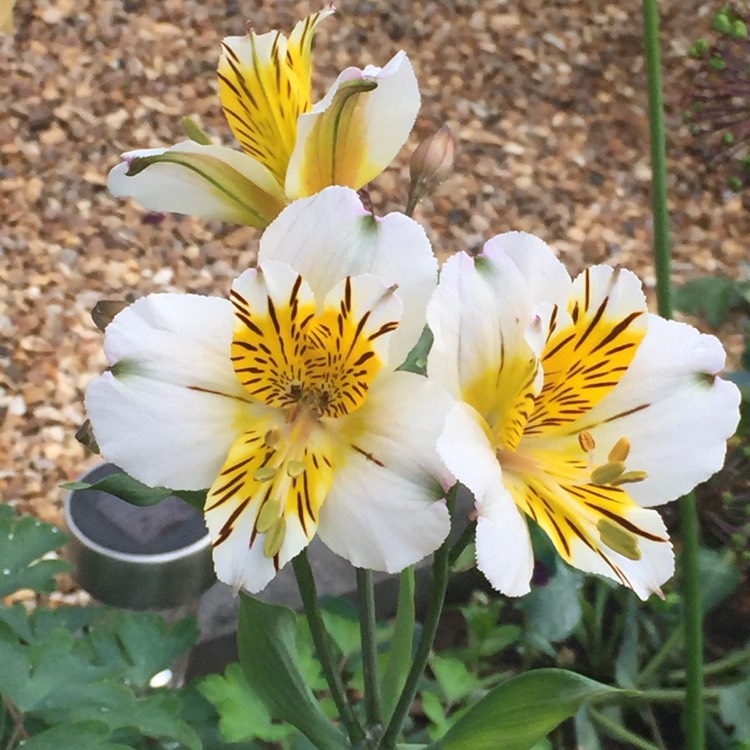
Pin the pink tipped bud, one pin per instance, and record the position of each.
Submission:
(431, 162)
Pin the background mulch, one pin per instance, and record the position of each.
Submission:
(546, 99)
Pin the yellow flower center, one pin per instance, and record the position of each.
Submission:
(308, 369)
(547, 456)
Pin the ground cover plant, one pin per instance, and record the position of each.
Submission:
(340, 388)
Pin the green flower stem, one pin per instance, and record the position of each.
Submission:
(367, 629)
(667, 695)
(673, 642)
(440, 571)
(400, 654)
(466, 538)
(618, 732)
(734, 661)
(695, 730)
(308, 593)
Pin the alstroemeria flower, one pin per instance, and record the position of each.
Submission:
(579, 409)
(283, 399)
(290, 148)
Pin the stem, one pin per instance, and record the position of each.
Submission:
(655, 731)
(674, 640)
(308, 593)
(673, 695)
(402, 644)
(694, 715)
(366, 595)
(19, 730)
(466, 538)
(730, 662)
(411, 202)
(619, 732)
(658, 158)
(440, 571)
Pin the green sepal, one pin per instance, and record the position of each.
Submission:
(195, 132)
(268, 655)
(522, 711)
(127, 488)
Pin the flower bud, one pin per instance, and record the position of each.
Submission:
(431, 162)
(106, 309)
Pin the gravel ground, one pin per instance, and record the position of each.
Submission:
(547, 101)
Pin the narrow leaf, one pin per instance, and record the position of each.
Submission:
(522, 711)
(134, 492)
(268, 655)
(402, 645)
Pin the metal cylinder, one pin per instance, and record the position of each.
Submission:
(156, 557)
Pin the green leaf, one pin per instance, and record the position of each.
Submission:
(242, 714)
(416, 359)
(734, 707)
(30, 674)
(138, 645)
(454, 679)
(159, 716)
(81, 735)
(720, 568)
(626, 667)
(402, 644)
(342, 624)
(710, 297)
(132, 491)
(150, 645)
(23, 541)
(554, 610)
(523, 710)
(268, 655)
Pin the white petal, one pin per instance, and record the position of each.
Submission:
(646, 575)
(682, 415)
(211, 182)
(546, 277)
(384, 510)
(351, 144)
(487, 335)
(330, 236)
(503, 546)
(240, 565)
(171, 410)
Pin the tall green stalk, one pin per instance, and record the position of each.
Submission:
(309, 594)
(440, 574)
(366, 596)
(694, 721)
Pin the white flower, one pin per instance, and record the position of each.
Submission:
(580, 410)
(290, 148)
(285, 401)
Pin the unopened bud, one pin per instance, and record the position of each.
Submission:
(85, 436)
(431, 162)
(105, 310)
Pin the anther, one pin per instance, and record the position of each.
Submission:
(274, 538)
(272, 437)
(607, 473)
(268, 516)
(295, 468)
(264, 474)
(629, 477)
(618, 539)
(620, 451)
(586, 441)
